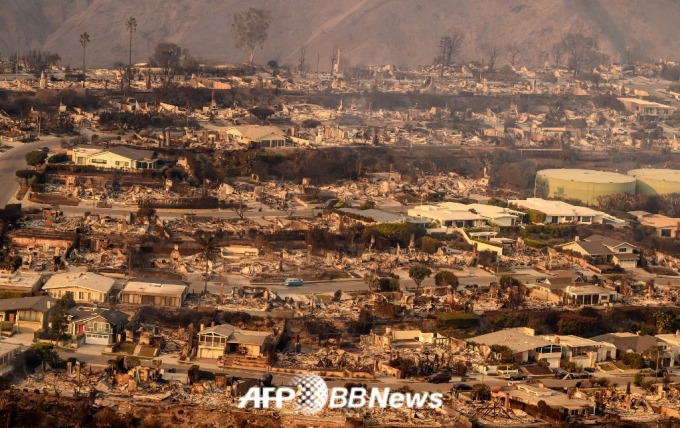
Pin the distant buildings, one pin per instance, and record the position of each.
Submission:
(261, 136)
(647, 108)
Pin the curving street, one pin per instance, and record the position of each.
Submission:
(13, 160)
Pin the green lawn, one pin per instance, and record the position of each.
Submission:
(127, 348)
(621, 366)
(147, 351)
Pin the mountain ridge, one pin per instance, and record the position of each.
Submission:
(399, 32)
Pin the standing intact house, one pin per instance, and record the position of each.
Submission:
(213, 342)
(86, 287)
(139, 292)
(119, 157)
(26, 314)
(100, 326)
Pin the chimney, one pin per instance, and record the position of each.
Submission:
(202, 326)
(49, 304)
(576, 238)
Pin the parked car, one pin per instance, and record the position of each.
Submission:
(293, 282)
(661, 372)
(462, 387)
(559, 373)
(438, 378)
(516, 376)
(589, 369)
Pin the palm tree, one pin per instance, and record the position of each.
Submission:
(131, 25)
(84, 40)
(208, 241)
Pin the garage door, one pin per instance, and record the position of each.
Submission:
(97, 339)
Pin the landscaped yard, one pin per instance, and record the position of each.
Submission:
(607, 366)
(147, 351)
(621, 366)
(127, 348)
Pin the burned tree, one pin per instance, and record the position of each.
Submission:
(557, 54)
(261, 113)
(301, 58)
(36, 61)
(581, 51)
(512, 53)
(492, 51)
(167, 56)
(449, 48)
(249, 29)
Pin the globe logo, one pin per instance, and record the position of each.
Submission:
(312, 393)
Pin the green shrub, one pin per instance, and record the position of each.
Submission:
(458, 319)
(430, 245)
(445, 277)
(536, 216)
(59, 158)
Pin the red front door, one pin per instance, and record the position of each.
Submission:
(81, 328)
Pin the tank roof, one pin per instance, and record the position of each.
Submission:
(586, 175)
(672, 175)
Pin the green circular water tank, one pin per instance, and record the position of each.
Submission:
(582, 184)
(656, 181)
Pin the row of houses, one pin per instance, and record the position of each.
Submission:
(452, 215)
(31, 314)
(106, 326)
(583, 352)
(88, 287)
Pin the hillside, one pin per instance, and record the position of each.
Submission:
(401, 32)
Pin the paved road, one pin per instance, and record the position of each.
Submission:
(13, 160)
(89, 354)
(169, 214)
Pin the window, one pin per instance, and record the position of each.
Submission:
(29, 316)
(101, 326)
(623, 250)
(98, 161)
(666, 233)
(81, 295)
